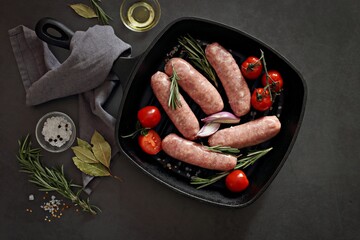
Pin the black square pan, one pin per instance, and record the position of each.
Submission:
(137, 93)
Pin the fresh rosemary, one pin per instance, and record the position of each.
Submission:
(103, 18)
(197, 57)
(139, 129)
(223, 149)
(174, 98)
(49, 179)
(242, 163)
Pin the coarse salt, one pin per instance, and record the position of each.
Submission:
(57, 131)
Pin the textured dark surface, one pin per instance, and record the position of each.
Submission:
(316, 194)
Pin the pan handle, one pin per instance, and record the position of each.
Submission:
(61, 35)
(123, 67)
(53, 32)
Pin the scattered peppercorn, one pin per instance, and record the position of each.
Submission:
(54, 207)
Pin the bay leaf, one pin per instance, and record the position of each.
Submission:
(92, 169)
(97, 138)
(83, 10)
(83, 143)
(84, 154)
(102, 152)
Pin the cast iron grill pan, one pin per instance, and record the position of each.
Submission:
(288, 108)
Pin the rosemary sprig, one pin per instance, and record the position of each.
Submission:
(49, 179)
(139, 129)
(103, 18)
(248, 160)
(174, 98)
(223, 149)
(197, 57)
(242, 163)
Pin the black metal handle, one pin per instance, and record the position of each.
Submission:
(63, 33)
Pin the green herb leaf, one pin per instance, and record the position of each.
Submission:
(83, 10)
(84, 154)
(198, 57)
(93, 159)
(97, 138)
(92, 169)
(103, 18)
(84, 144)
(174, 98)
(102, 152)
(224, 149)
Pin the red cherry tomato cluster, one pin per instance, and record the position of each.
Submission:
(272, 82)
(149, 140)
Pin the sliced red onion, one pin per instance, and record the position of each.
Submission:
(221, 117)
(208, 129)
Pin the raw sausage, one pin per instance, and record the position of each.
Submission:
(196, 154)
(229, 73)
(247, 134)
(196, 85)
(182, 117)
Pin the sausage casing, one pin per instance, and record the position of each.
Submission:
(196, 154)
(229, 73)
(196, 85)
(182, 117)
(247, 134)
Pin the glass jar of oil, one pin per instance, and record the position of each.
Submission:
(140, 15)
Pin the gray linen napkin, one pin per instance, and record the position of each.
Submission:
(85, 72)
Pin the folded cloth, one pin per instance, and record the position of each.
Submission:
(85, 72)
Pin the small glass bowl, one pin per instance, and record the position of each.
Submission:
(140, 15)
(57, 134)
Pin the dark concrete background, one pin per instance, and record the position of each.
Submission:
(316, 195)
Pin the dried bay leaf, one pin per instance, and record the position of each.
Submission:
(97, 138)
(102, 152)
(84, 154)
(92, 169)
(82, 143)
(93, 159)
(83, 10)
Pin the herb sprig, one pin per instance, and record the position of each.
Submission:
(223, 149)
(93, 158)
(243, 162)
(139, 129)
(93, 11)
(49, 179)
(103, 18)
(197, 56)
(174, 98)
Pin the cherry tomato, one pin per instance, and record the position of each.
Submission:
(149, 116)
(274, 79)
(236, 181)
(150, 142)
(260, 99)
(251, 68)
